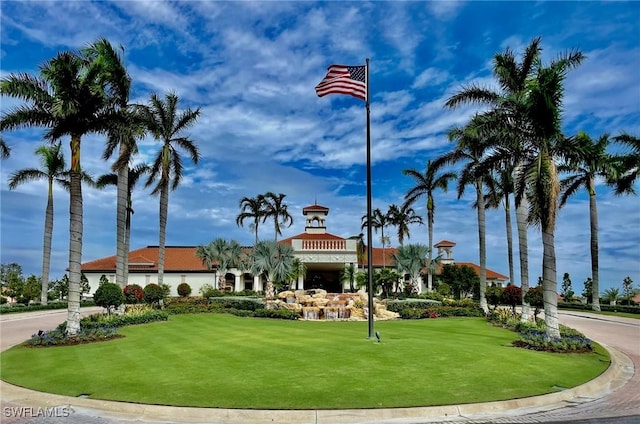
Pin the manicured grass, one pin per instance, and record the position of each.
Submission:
(616, 314)
(218, 360)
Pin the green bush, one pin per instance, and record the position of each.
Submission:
(190, 305)
(208, 291)
(493, 295)
(3, 300)
(238, 302)
(539, 340)
(276, 313)
(401, 304)
(153, 294)
(184, 290)
(133, 293)
(108, 295)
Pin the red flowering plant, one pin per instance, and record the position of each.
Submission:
(133, 293)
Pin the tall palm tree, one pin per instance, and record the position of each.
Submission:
(401, 217)
(538, 176)
(507, 103)
(5, 151)
(411, 259)
(133, 176)
(166, 124)
(500, 190)
(298, 269)
(469, 151)
(592, 162)
(251, 207)
(275, 208)
(73, 95)
(425, 185)
(53, 170)
(275, 260)
(379, 221)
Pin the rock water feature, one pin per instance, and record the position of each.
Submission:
(317, 304)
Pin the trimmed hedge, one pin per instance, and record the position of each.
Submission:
(604, 308)
(400, 304)
(238, 302)
(37, 307)
(438, 311)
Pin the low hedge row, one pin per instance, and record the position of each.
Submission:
(605, 308)
(5, 309)
(441, 311)
(113, 320)
(400, 304)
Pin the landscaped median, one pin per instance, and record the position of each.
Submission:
(225, 361)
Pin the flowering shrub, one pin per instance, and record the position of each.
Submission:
(512, 296)
(133, 293)
(184, 290)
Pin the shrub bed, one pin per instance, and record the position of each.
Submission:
(134, 314)
(238, 302)
(59, 337)
(442, 311)
(400, 304)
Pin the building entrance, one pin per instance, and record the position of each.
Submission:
(325, 280)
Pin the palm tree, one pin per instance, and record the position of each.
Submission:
(500, 187)
(163, 121)
(425, 185)
(223, 254)
(275, 260)
(469, 151)
(251, 207)
(5, 151)
(411, 259)
(276, 209)
(348, 274)
(133, 176)
(629, 164)
(298, 269)
(512, 77)
(53, 170)
(73, 95)
(379, 220)
(594, 161)
(401, 217)
(538, 176)
(611, 295)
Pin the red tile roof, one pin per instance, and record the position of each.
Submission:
(315, 207)
(444, 243)
(177, 258)
(307, 236)
(491, 275)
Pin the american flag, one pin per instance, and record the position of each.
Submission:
(341, 79)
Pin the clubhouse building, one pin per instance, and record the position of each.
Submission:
(324, 255)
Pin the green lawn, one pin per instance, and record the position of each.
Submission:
(218, 360)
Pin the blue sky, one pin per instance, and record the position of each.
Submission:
(251, 68)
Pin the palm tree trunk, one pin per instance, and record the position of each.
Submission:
(482, 244)
(523, 251)
(164, 205)
(549, 284)
(75, 239)
(46, 245)
(269, 291)
(384, 259)
(121, 213)
(127, 247)
(430, 258)
(507, 220)
(593, 219)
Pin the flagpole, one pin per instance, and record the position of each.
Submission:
(369, 234)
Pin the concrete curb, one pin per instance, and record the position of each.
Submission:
(616, 376)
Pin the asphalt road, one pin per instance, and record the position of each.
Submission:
(619, 407)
